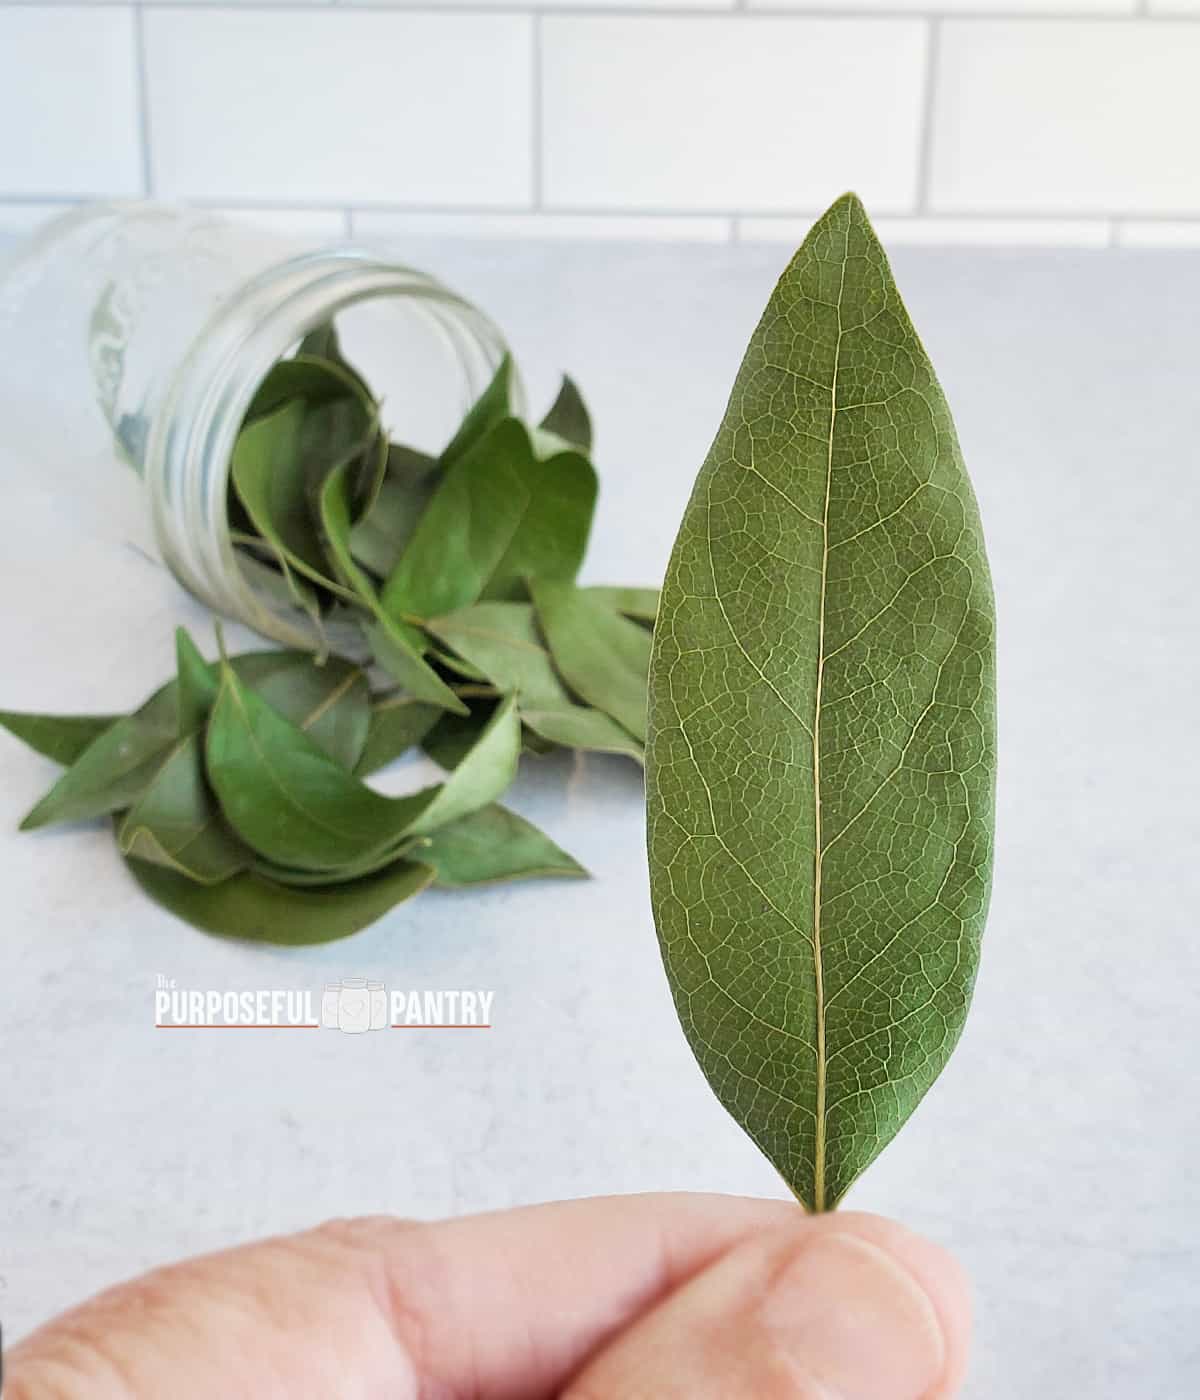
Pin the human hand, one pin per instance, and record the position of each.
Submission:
(669, 1297)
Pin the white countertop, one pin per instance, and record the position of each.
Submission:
(1057, 1153)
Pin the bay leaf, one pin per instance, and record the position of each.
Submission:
(550, 538)
(395, 645)
(338, 409)
(581, 727)
(268, 572)
(494, 844)
(492, 407)
(175, 822)
(453, 737)
(324, 343)
(114, 768)
(195, 685)
(61, 738)
(481, 775)
(639, 603)
(821, 760)
(396, 724)
(568, 417)
(270, 475)
(377, 540)
(602, 656)
(501, 640)
(393, 648)
(499, 512)
(111, 773)
(253, 907)
(286, 798)
(308, 379)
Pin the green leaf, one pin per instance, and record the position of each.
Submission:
(821, 762)
(250, 906)
(464, 529)
(396, 647)
(286, 798)
(175, 822)
(492, 407)
(638, 603)
(568, 417)
(602, 656)
(59, 737)
(453, 737)
(311, 379)
(270, 474)
(579, 727)
(494, 844)
(378, 539)
(196, 685)
(551, 536)
(499, 512)
(396, 725)
(113, 770)
(275, 579)
(502, 642)
(323, 343)
(481, 775)
(393, 648)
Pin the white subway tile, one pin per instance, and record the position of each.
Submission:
(68, 101)
(1067, 117)
(583, 227)
(339, 106)
(1025, 233)
(959, 7)
(711, 113)
(1159, 233)
(552, 4)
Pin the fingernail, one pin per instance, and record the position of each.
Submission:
(854, 1318)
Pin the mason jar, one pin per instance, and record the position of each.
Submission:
(161, 322)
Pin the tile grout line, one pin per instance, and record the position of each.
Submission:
(1137, 11)
(682, 215)
(933, 64)
(536, 125)
(142, 79)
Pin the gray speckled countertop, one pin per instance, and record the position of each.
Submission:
(1057, 1153)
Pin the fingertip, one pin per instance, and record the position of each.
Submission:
(939, 1274)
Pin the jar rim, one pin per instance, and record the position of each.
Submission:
(190, 443)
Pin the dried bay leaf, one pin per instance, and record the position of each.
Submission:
(494, 844)
(175, 822)
(568, 417)
(821, 759)
(503, 641)
(254, 907)
(602, 656)
(396, 724)
(59, 737)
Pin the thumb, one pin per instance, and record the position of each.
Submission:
(846, 1307)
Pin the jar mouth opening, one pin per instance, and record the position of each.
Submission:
(191, 440)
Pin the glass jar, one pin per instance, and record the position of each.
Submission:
(166, 320)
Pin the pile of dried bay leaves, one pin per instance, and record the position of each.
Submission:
(237, 790)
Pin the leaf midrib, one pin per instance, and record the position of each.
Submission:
(818, 959)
